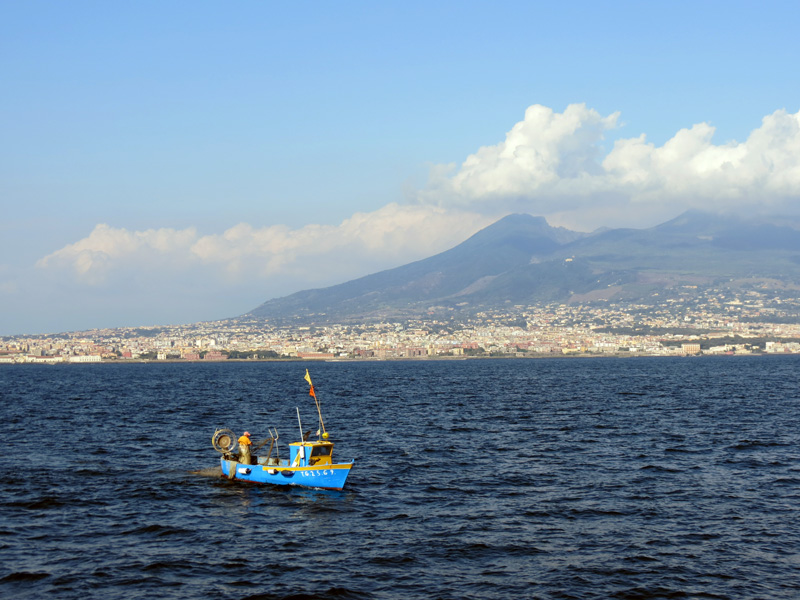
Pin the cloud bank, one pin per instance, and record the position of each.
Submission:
(315, 253)
(553, 164)
(557, 165)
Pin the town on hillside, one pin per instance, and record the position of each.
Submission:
(692, 322)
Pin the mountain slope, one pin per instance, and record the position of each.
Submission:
(521, 259)
(510, 242)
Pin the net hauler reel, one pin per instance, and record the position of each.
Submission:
(224, 441)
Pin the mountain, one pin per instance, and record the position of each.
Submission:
(522, 259)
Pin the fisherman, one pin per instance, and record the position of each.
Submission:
(244, 448)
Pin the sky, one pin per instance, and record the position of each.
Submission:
(175, 162)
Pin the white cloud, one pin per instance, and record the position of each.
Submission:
(553, 164)
(547, 153)
(359, 245)
(107, 247)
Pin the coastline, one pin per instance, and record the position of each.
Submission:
(571, 356)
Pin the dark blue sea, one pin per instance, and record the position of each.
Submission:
(487, 479)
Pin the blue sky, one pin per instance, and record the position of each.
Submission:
(184, 161)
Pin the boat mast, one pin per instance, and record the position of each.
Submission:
(313, 394)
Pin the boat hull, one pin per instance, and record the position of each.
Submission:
(328, 477)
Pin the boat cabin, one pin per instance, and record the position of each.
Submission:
(304, 454)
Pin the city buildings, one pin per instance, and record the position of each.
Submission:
(687, 323)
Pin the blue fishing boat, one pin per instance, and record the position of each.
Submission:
(309, 463)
